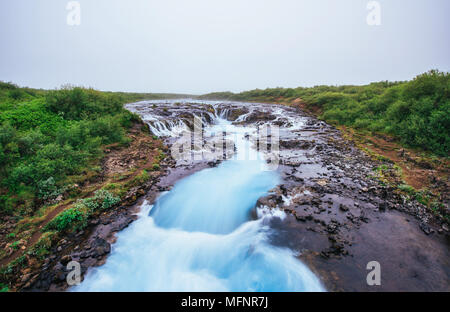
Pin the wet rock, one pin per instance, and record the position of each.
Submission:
(364, 219)
(300, 218)
(426, 229)
(60, 276)
(84, 254)
(282, 122)
(234, 114)
(260, 116)
(272, 201)
(66, 259)
(213, 163)
(100, 247)
(296, 144)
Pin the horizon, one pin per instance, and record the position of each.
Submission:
(202, 47)
(200, 94)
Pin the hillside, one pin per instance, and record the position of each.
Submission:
(66, 156)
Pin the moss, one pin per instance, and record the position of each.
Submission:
(139, 179)
(111, 186)
(42, 248)
(156, 167)
(407, 189)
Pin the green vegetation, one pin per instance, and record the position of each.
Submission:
(42, 248)
(3, 288)
(155, 167)
(75, 218)
(407, 189)
(72, 219)
(139, 179)
(416, 112)
(47, 137)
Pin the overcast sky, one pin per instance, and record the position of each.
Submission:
(199, 46)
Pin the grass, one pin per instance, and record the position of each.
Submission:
(139, 179)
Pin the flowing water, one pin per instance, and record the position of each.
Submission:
(200, 236)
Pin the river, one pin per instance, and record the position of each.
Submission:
(201, 236)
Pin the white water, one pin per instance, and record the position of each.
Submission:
(199, 237)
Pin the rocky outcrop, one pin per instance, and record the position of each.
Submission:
(256, 116)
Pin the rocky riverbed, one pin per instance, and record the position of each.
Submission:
(339, 218)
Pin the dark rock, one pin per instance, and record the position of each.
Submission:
(100, 247)
(235, 113)
(60, 276)
(66, 259)
(260, 116)
(271, 200)
(300, 218)
(296, 144)
(426, 229)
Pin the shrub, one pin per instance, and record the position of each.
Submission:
(16, 94)
(53, 135)
(101, 200)
(108, 128)
(48, 189)
(127, 119)
(76, 218)
(362, 123)
(52, 160)
(106, 199)
(72, 219)
(30, 142)
(69, 102)
(30, 115)
(77, 103)
(42, 248)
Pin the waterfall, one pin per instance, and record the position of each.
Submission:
(200, 236)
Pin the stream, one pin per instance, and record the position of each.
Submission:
(205, 234)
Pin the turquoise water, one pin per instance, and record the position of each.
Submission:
(200, 237)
